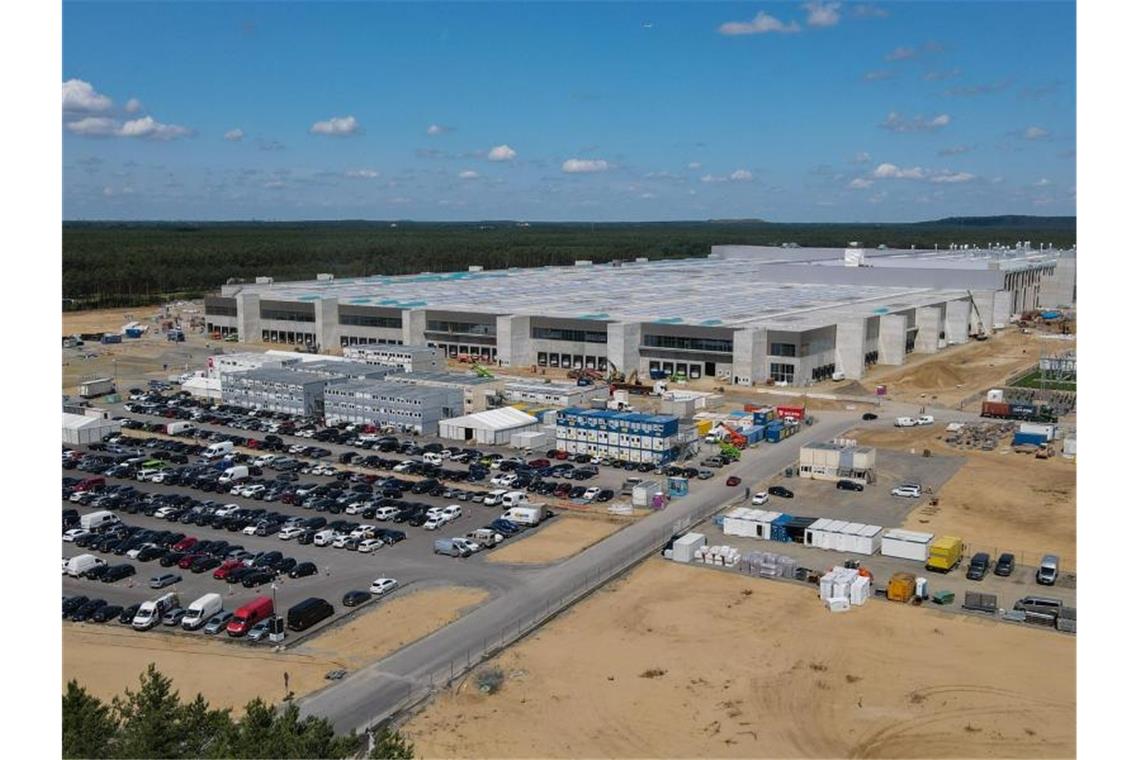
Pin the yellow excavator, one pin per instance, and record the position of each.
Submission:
(480, 370)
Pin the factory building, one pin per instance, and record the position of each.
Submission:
(744, 315)
(407, 408)
(628, 436)
(405, 358)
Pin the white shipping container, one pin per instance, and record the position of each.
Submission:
(906, 544)
(685, 547)
(1039, 428)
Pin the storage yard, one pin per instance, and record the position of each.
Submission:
(685, 662)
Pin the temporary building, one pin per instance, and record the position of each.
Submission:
(494, 426)
(88, 428)
(858, 538)
(543, 438)
(750, 523)
(907, 544)
(685, 547)
(202, 386)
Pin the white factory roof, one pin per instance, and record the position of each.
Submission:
(504, 418)
(79, 421)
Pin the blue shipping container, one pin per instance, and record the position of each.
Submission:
(112, 339)
(134, 332)
(1035, 439)
(779, 529)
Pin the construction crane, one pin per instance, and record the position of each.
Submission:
(480, 370)
(615, 375)
(983, 333)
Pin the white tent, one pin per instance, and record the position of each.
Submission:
(494, 426)
(81, 428)
(203, 387)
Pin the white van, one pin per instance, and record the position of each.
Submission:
(265, 460)
(514, 499)
(432, 457)
(905, 422)
(219, 449)
(96, 520)
(324, 537)
(234, 474)
(150, 613)
(201, 610)
(495, 498)
(524, 515)
(78, 565)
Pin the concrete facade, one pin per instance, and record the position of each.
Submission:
(1003, 308)
(623, 345)
(850, 337)
(957, 322)
(929, 320)
(749, 356)
(892, 339)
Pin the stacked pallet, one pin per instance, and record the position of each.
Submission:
(768, 565)
(724, 556)
(841, 587)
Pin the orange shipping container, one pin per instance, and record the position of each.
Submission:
(901, 587)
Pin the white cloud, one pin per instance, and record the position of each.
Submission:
(81, 96)
(895, 122)
(761, 24)
(741, 175)
(901, 54)
(859, 183)
(362, 173)
(940, 75)
(149, 129)
(145, 128)
(878, 75)
(1035, 133)
(694, 165)
(468, 174)
(822, 13)
(862, 157)
(434, 130)
(952, 178)
(501, 153)
(867, 10)
(890, 171)
(1042, 183)
(711, 178)
(337, 126)
(647, 196)
(134, 105)
(584, 165)
(234, 135)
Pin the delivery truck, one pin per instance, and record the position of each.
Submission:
(174, 428)
(530, 515)
(234, 474)
(945, 554)
(97, 387)
(96, 520)
(201, 610)
(217, 450)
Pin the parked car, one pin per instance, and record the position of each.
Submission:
(979, 566)
(732, 481)
(1005, 565)
(174, 616)
(848, 485)
(382, 586)
(868, 416)
(1048, 569)
(218, 623)
(260, 631)
(355, 598)
(128, 613)
(118, 572)
(760, 498)
(303, 569)
(783, 493)
(164, 580)
(907, 490)
(107, 612)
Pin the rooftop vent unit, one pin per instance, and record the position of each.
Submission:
(324, 277)
(263, 280)
(474, 268)
(854, 256)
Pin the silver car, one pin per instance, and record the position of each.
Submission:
(218, 623)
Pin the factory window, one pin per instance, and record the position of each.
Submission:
(654, 366)
(461, 328)
(542, 358)
(361, 320)
(782, 373)
(574, 336)
(782, 349)
(602, 362)
(288, 316)
(687, 344)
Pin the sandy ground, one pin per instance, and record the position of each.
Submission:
(108, 658)
(563, 538)
(106, 320)
(960, 371)
(677, 661)
(998, 501)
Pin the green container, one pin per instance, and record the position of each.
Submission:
(942, 597)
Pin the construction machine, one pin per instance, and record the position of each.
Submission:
(983, 333)
(480, 370)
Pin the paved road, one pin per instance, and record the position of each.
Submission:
(373, 692)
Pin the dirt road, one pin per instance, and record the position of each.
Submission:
(683, 661)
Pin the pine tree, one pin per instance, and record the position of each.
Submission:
(88, 726)
(390, 745)
(149, 719)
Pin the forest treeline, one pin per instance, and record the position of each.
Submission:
(138, 263)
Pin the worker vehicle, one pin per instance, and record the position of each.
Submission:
(945, 554)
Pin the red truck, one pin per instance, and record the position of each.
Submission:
(250, 615)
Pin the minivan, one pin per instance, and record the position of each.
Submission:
(308, 613)
(514, 499)
(1047, 571)
(248, 616)
(495, 498)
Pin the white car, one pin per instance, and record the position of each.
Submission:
(163, 512)
(74, 534)
(472, 546)
(249, 530)
(287, 534)
(363, 531)
(226, 511)
(404, 466)
(591, 493)
(451, 512)
(759, 498)
(250, 492)
(907, 490)
(356, 507)
(369, 545)
(340, 540)
(386, 513)
(265, 460)
(435, 523)
(382, 586)
(925, 419)
(504, 479)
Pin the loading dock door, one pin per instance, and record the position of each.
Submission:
(468, 433)
(710, 369)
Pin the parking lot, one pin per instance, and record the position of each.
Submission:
(873, 505)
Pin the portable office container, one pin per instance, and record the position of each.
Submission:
(861, 539)
(1029, 439)
(906, 544)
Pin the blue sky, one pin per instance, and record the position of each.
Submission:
(818, 111)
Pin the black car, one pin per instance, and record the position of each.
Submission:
(72, 603)
(306, 538)
(303, 569)
(258, 578)
(355, 598)
(848, 485)
(780, 491)
(238, 576)
(118, 572)
(868, 416)
(285, 565)
(979, 565)
(107, 612)
(96, 572)
(1005, 565)
(85, 611)
(128, 614)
